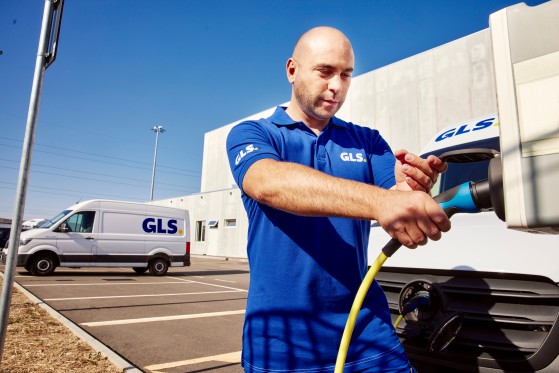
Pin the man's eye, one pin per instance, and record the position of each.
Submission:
(346, 75)
(325, 72)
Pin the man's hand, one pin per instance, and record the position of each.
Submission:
(412, 217)
(415, 173)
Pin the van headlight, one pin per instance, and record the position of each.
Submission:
(24, 241)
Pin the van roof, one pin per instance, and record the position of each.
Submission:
(108, 201)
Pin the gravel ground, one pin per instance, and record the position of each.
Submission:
(36, 342)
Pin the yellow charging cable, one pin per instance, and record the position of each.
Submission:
(357, 303)
(457, 199)
(398, 320)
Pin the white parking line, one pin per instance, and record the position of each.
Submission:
(143, 295)
(106, 283)
(218, 279)
(232, 357)
(207, 283)
(179, 281)
(162, 318)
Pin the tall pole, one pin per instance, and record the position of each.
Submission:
(48, 42)
(155, 129)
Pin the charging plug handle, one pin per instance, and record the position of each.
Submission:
(468, 197)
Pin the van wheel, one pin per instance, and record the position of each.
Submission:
(158, 267)
(42, 265)
(140, 270)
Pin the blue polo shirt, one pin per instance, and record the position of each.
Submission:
(305, 271)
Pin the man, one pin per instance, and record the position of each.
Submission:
(310, 184)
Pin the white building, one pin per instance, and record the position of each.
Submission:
(407, 101)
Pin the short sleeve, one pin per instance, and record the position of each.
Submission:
(383, 161)
(247, 143)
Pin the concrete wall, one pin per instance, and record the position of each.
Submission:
(222, 206)
(408, 102)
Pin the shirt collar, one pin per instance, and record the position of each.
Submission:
(281, 118)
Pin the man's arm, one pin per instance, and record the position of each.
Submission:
(411, 217)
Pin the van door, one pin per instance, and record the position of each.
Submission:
(121, 240)
(76, 239)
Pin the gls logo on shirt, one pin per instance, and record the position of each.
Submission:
(350, 157)
(249, 149)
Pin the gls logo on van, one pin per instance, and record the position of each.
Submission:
(249, 149)
(152, 225)
(350, 157)
(465, 128)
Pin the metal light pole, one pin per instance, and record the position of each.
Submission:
(46, 54)
(155, 129)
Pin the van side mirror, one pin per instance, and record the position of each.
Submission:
(63, 228)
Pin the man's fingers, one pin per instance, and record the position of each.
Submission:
(416, 178)
(424, 171)
(437, 164)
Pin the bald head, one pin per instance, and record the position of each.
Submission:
(322, 40)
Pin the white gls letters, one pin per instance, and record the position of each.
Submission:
(350, 157)
(249, 149)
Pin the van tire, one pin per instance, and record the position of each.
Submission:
(42, 264)
(158, 266)
(140, 270)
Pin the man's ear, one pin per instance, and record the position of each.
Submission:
(291, 69)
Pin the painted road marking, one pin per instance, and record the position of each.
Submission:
(105, 284)
(207, 283)
(162, 318)
(218, 279)
(143, 295)
(232, 357)
(179, 281)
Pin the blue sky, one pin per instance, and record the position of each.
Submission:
(124, 66)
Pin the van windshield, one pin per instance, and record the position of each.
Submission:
(459, 173)
(49, 223)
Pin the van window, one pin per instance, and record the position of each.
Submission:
(459, 173)
(49, 223)
(81, 222)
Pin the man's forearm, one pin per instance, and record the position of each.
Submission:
(304, 191)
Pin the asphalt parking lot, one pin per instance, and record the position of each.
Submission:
(189, 320)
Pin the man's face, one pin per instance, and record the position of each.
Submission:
(321, 79)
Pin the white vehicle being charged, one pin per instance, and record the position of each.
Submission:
(493, 294)
(100, 233)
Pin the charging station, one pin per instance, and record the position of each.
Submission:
(526, 58)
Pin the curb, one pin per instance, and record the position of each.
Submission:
(101, 348)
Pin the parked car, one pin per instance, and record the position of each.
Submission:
(33, 223)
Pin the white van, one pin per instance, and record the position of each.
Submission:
(100, 233)
(501, 284)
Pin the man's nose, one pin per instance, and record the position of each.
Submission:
(335, 84)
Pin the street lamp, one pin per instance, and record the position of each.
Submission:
(155, 129)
